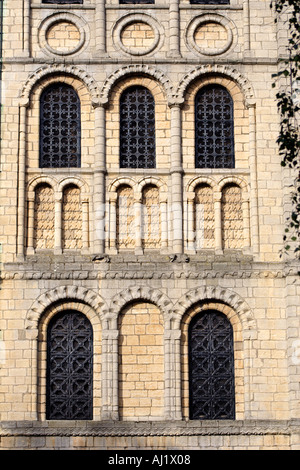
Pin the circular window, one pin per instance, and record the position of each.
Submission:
(137, 34)
(63, 37)
(62, 34)
(210, 35)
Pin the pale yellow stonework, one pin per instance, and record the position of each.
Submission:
(140, 252)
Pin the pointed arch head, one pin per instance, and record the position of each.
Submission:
(59, 70)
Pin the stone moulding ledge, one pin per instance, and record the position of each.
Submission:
(150, 428)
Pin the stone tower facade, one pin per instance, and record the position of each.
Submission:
(144, 301)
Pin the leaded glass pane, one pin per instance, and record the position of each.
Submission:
(60, 128)
(210, 2)
(123, 2)
(137, 128)
(211, 367)
(214, 131)
(69, 367)
(78, 2)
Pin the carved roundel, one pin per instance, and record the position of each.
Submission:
(137, 34)
(62, 34)
(210, 34)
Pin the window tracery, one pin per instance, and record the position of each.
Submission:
(69, 367)
(214, 128)
(137, 128)
(60, 127)
(211, 366)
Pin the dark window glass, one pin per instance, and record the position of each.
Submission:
(64, 1)
(60, 127)
(211, 367)
(214, 128)
(137, 128)
(123, 2)
(210, 2)
(69, 367)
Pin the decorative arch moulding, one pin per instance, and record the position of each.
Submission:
(108, 311)
(100, 95)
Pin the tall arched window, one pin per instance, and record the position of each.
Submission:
(214, 128)
(69, 367)
(211, 367)
(60, 127)
(137, 128)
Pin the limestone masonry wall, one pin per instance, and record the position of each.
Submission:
(140, 252)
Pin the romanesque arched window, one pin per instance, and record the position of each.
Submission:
(232, 217)
(60, 127)
(211, 367)
(137, 128)
(44, 214)
(69, 367)
(214, 131)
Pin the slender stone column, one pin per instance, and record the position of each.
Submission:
(21, 188)
(176, 178)
(138, 220)
(174, 29)
(190, 223)
(164, 224)
(246, 221)
(110, 392)
(26, 28)
(85, 225)
(58, 225)
(253, 180)
(100, 27)
(218, 220)
(30, 228)
(112, 242)
(246, 10)
(99, 181)
(173, 387)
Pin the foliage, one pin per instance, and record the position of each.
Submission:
(288, 102)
